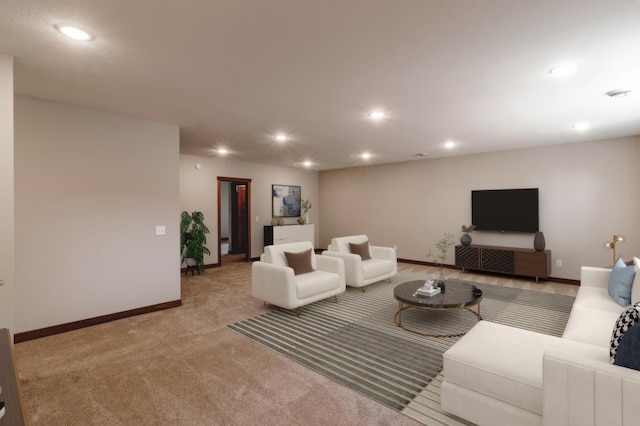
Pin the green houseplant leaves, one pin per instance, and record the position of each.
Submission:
(193, 237)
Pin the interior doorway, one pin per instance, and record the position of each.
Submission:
(234, 224)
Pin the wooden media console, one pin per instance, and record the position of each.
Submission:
(506, 260)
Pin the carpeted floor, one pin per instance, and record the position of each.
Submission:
(184, 366)
(356, 343)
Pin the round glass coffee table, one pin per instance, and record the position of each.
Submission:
(456, 295)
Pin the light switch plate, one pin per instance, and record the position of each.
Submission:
(161, 230)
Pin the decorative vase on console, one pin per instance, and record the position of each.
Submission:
(306, 206)
(538, 241)
(274, 221)
(465, 240)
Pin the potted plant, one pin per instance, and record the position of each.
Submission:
(442, 247)
(306, 206)
(193, 239)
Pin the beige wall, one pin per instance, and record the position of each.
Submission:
(588, 191)
(7, 290)
(199, 191)
(90, 188)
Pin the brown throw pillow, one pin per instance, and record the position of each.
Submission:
(300, 262)
(362, 249)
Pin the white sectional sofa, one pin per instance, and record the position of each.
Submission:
(500, 375)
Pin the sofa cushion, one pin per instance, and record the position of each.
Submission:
(628, 354)
(597, 298)
(592, 317)
(592, 326)
(361, 249)
(626, 320)
(620, 282)
(300, 262)
(505, 362)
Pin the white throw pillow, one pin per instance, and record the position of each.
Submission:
(635, 288)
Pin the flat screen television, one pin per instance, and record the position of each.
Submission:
(505, 210)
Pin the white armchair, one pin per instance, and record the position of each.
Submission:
(274, 281)
(382, 265)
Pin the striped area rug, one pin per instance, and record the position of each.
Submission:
(356, 343)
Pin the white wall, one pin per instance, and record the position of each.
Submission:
(588, 191)
(7, 290)
(199, 191)
(90, 188)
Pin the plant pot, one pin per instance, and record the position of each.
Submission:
(301, 220)
(465, 240)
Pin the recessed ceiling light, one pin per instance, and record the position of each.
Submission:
(618, 93)
(74, 32)
(376, 115)
(449, 144)
(307, 163)
(223, 151)
(281, 137)
(365, 156)
(581, 127)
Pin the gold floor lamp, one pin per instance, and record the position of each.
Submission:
(617, 239)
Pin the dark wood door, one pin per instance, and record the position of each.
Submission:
(239, 218)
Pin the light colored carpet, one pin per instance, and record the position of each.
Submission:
(184, 366)
(356, 343)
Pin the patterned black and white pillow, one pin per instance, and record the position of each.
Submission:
(627, 319)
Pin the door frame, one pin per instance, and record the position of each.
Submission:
(247, 182)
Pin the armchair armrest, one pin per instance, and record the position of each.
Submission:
(387, 253)
(330, 264)
(352, 265)
(591, 276)
(274, 284)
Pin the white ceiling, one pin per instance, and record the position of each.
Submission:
(234, 73)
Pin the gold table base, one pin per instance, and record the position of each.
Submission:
(402, 306)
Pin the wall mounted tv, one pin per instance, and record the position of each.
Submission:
(505, 210)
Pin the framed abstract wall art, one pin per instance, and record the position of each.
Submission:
(285, 200)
